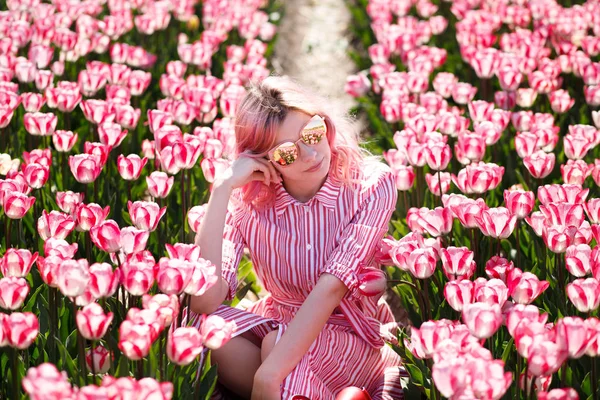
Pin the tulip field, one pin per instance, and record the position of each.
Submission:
(115, 117)
(489, 114)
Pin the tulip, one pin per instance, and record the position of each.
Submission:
(498, 268)
(216, 332)
(436, 222)
(575, 171)
(13, 292)
(566, 193)
(98, 111)
(184, 251)
(173, 275)
(425, 341)
(159, 184)
(167, 306)
(497, 222)
(21, 329)
(130, 167)
(68, 201)
(150, 388)
(92, 322)
(558, 237)
(203, 277)
(563, 214)
(133, 240)
(145, 215)
(40, 124)
(457, 261)
(106, 236)
(90, 215)
(459, 293)
(16, 204)
(73, 277)
(434, 184)
(85, 167)
(526, 287)
(127, 116)
(573, 335)
(137, 277)
(372, 281)
(559, 394)
(584, 294)
(211, 169)
(519, 202)
(593, 325)
(55, 225)
(576, 147)
(150, 317)
(184, 345)
(97, 149)
(578, 260)
(47, 380)
(357, 85)
(471, 146)
(422, 262)
(100, 357)
(463, 93)
(482, 319)
(36, 175)
(32, 102)
(134, 340)
(540, 164)
(560, 101)
(103, 280)
(17, 262)
(493, 291)
(524, 314)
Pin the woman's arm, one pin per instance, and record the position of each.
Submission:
(300, 334)
(210, 240)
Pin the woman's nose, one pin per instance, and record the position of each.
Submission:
(307, 153)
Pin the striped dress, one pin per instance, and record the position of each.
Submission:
(291, 244)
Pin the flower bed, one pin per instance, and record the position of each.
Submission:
(494, 249)
(114, 118)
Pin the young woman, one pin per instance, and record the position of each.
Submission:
(311, 208)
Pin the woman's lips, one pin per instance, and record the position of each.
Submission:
(315, 168)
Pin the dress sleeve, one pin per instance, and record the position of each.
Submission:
(233, 247)
(360, 238)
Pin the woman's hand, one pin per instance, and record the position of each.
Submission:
(266, 385)
(247, 169)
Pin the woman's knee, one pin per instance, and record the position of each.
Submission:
(267, 345)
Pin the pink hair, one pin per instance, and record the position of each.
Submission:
(266, 106)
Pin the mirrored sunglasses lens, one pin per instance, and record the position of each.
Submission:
(314, 131)
(285, 154)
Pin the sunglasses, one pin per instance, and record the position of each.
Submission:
(286, 153)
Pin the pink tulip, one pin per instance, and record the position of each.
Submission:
(211, 169)
(159, 184)
(101, 358)
(422, 262)
(524, 314)
(13, 292)
(372, 282)
(540, 384)
(167, 306)
(578, 260)
(40, 124)
(525, 287)
(357, 85)
(130, 167)
(55, 225)
(493, 291)
(98, 111)
(457, 262)
(559, 394)
(64, 140)
(463, 93)
(563, 214)
(497, 222)
(540, 164)
(134, 340)
(434, 185)
(46, 379)
(173, 275)
(519, 203)
(184, 345)
(558, 237)
(39, 156)
(498, 268)
(593, 325)
(584, 294)
(106, 236)
(92, 322)
(17, 262)
(576, 147)
(85, 167)
(488, 379)
(111, 134)
(68, 201)
(470, 146)
(150, 317)
(133, 240)
(560, 101)
(424, 341)
(438, 156)
(90, 215)
(137, 277)
(103, 280)
(97, 149)
(21, 329)
(459, 293)
(184, 251)
(573, 335)
(575, 171)
(466, 210)
(436, 222)
(566, 193)
(32, 102)
(145, 215)
(127, 116)
(48, 268)
(72, 277)
(16, 204)
(216, 332)
(482, 319)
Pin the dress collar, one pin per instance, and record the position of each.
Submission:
(327, 195)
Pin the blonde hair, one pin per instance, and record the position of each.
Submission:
(263, 110)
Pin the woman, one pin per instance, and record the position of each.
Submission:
(312, 209)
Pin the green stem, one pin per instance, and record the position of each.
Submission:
(80, 348)
(594, 379)
(15, 374)
(92, 358)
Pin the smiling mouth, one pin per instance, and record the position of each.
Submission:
(315, 167)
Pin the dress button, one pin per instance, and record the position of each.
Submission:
(308, 247)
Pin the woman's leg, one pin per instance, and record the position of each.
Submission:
(237, 362)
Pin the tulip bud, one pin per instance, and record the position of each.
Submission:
(13, 292)
(92, 322)
(100, 356)
(216, 332)
(21, 329)
(482, 319)
(184, 345)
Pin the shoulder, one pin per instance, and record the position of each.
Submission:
(374, 176)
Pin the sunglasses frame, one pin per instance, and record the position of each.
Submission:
(271, 153)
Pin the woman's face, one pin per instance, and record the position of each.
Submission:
(313, 160)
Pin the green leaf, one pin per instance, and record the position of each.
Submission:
(122, 368)
(508, 350)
